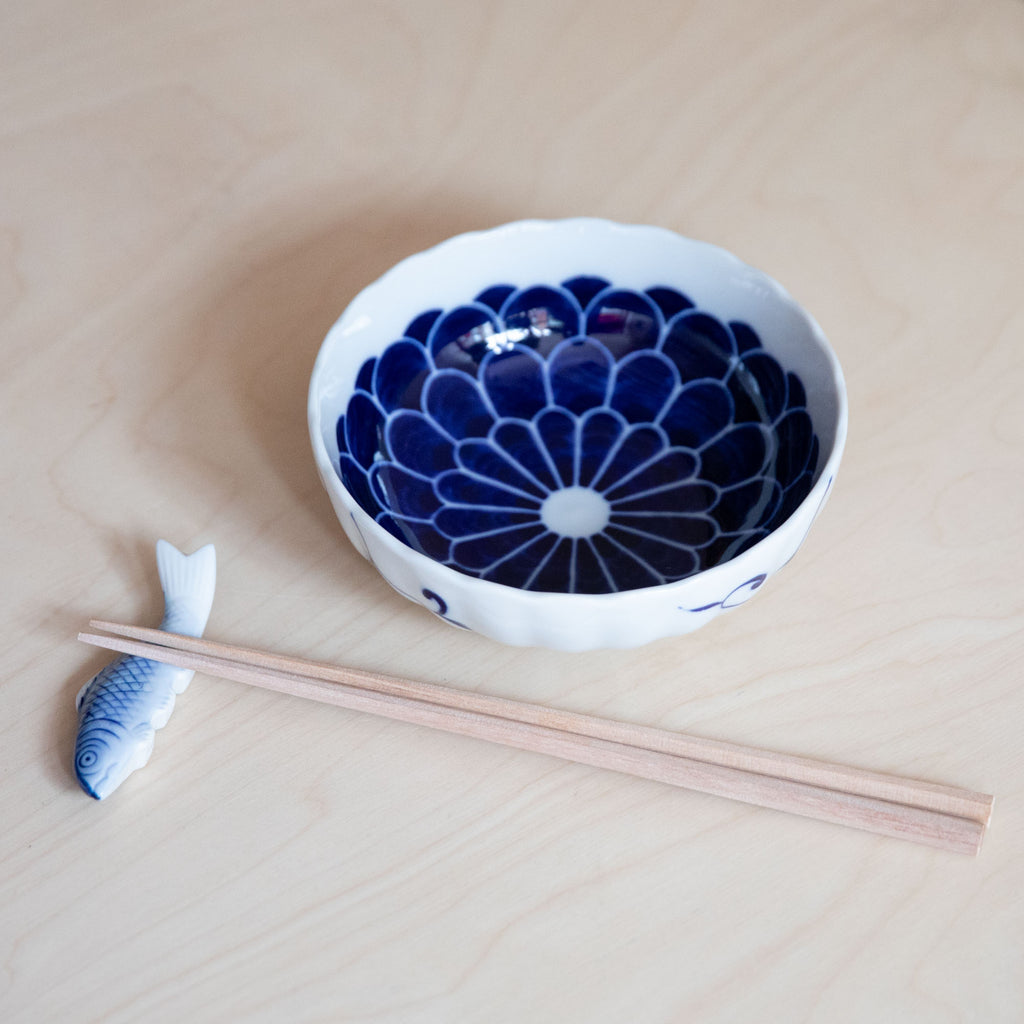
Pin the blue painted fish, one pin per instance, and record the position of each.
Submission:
(122, 706)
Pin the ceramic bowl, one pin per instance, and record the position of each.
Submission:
(576, 434)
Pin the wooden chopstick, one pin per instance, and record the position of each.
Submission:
(926, 795)
(940, 816)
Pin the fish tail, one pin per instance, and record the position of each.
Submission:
(188, 583)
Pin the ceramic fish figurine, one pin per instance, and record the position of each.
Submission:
(122, 706)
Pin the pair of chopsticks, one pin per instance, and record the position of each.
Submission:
(941, 816)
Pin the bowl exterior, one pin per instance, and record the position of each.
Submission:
(634, 256)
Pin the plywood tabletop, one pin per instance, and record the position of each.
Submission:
(189, 196)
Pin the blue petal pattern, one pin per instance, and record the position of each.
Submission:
(515, 382)
(400, 374)
(577, 437)
(624, 321)
(454, 402)
(544, 315)
(579, 371)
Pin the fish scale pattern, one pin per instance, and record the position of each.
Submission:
(120, 701)
(131, 678)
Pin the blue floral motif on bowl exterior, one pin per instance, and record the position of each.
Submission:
(578, 438)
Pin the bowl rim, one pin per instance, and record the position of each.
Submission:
(732, 567)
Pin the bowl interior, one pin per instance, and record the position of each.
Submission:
(580, 434)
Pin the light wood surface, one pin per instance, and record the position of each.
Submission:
(189, 196)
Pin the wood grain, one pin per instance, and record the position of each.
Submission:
(189, 196)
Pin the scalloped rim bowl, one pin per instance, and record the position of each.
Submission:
(525, 254)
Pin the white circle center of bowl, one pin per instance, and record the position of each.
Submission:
(574, 512)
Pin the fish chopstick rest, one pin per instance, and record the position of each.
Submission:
(122, 706)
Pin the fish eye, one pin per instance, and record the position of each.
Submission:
(87, 758)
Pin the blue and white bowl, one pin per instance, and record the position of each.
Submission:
(576, 434)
